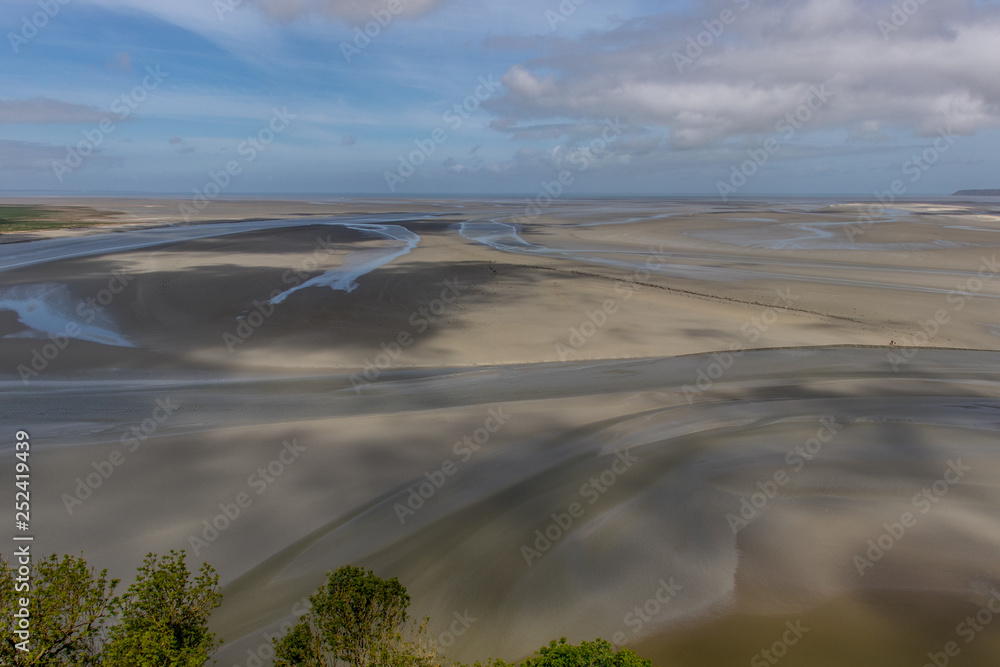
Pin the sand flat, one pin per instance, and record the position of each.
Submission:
(683, 352)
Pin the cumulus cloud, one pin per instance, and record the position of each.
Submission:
(754, 62)
(42, 110)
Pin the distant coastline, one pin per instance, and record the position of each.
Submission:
(977, 193)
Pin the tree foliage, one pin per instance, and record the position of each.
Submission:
(300, 647)
(359, 619)
(75, 619)
(598, 653)
(69, 604)
(356, 619)
(164, 617)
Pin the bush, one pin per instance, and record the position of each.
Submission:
(164, 619)
(68, 606)
(359, 619)
(598, 653)
(356, 619)
(77, 621)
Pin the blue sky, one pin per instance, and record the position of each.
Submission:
(625, 97)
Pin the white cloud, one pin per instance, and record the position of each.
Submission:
(936, 71)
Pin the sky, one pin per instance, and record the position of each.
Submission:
(524, 97)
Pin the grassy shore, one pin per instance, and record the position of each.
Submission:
(35, 218)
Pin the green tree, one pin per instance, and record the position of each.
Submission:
(300, 647)
(164, 616)
(598, 653)
(359, 619)
(68, 605)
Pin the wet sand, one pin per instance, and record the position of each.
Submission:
(674, 424)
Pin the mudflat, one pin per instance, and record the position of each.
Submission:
(706, 430)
